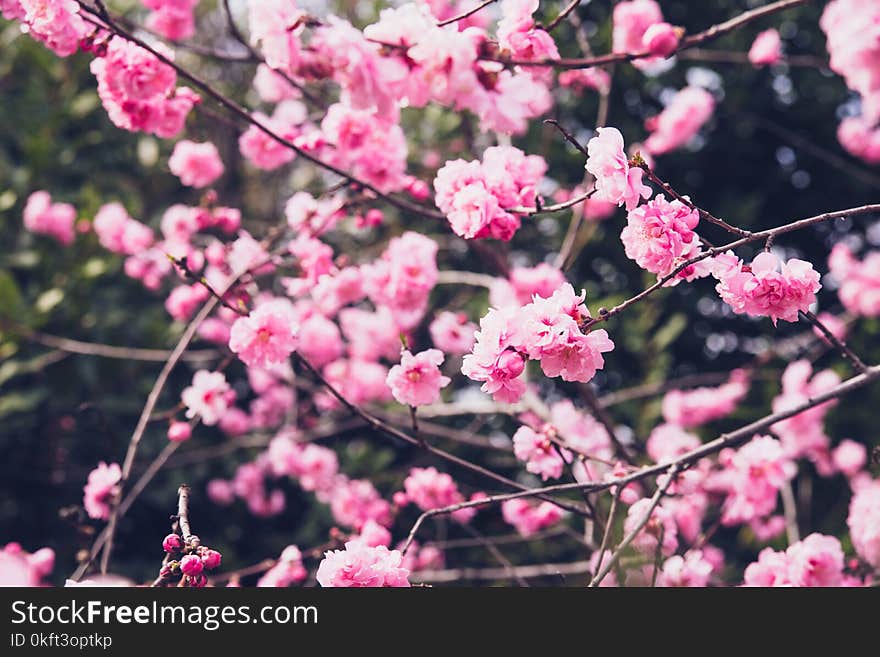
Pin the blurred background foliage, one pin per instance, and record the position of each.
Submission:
(768, 156)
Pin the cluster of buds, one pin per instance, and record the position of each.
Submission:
(187, 559)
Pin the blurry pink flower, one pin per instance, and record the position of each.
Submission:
(766, 49)
(101, 487)
(53, 219)
(208, 397)
(196, 164)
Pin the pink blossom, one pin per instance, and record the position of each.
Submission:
(118, 232)
(235, 422)
(208, 397)
(682, 118)
(371, 146)
(660, 529)
(417, 380)
(494, 359)
(374, 534)
(864, 522)
(631, 21)
(766, 49)
(139, 91)
(668, 441)
(370, 335)
(529, 518)
(56, 23)
(580, 430)
(306, 213)
(692, 408)
(690, 570)
(43, 216)
(211, 558)
(660, 236)
(429, 489)
(803, 434)
(360, 565)
(771, 569)
(403, 277)
(196, 164)
(476, 195)
(849, 457)
(333, 291)
(191, 565)
(319, 340)
(355, 501)
(753, 476)
(272, 87)
(586, 78)
(173, 19)
(616, 182)
(172, 543)
(817, 560)
(268, 335)
(20, 568)
(762, 290)
(263, 151)
(359, 381)
(287, 571)
(100, 489)
(538, 452)
(860, 138)
(859, 280)
(276, 26)
(452, 333)
(184, 300)
(661, 39)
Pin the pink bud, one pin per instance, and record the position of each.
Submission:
(172, 543)
(661, 39)
(418, 189)
(191, 565)
(179, 431)
(400, 498)
(211, 559)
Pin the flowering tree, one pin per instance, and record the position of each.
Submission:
(393, 347)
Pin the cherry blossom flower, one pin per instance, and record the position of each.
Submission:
(616, 181)
(682, 118)
(692, 408)
(660, 236)
(196, 164)
(417, 380)
(452, 333)
(864, 522)
(43, 216)
(287, 571)
(268, 335)
(208, 397)
(859, 280)
(100, 489)
(528, 518)
(767, 287)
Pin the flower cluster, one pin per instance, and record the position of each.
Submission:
(817, 560)
(477, 196)
(698, 406)
(20, 568)
(528, 518)
(546, 330)
(360, 565)
(196, 164)
(173, 19)
(762, 289)
(659, 235)
(56, 23)
(188, 560)
(139, 91)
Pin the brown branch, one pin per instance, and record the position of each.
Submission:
(838, 344)
(562, 15)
